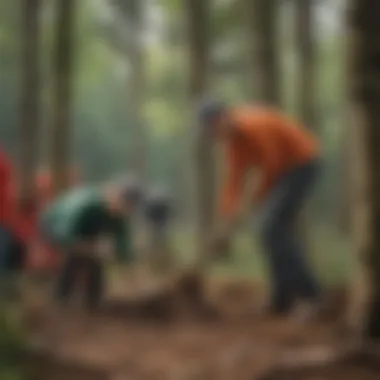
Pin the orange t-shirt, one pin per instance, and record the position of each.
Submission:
(265, 139)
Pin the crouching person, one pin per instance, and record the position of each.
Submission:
(78, 223)
(158, 214)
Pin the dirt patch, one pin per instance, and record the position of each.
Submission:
(353, 366)
(179, 332)
(184, 299)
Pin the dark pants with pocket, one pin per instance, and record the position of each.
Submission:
(292, 279)
(81, 272)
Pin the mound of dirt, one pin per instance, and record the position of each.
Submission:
(183, 299)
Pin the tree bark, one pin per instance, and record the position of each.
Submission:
(266, 62)
(138, 93)
(305, 41)
(30, 97)
(364, 91)
(133, 15)
(306, 92)
(62, 94)
(198, 34)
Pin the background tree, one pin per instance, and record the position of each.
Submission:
(198, 12)
(364, 92)
(266, 61)
(62, 93)
(305, 40)
(30, 96)
(130, 40)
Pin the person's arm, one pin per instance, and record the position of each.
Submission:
(266, 181)
(232, 189)
(268, 165)
(230, 196)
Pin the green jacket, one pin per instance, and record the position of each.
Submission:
(81, 214)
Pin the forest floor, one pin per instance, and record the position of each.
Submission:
(170, 335)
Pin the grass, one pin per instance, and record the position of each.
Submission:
(330, 254)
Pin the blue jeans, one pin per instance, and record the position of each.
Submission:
(291, 276)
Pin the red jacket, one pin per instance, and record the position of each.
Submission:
(7, 198)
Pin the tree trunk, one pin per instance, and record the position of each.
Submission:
(346, 158)
(364, 91)
(306, 92)
(266, 51)
(133, 15)
(344, 203)
(30, 98)
(137, 96)
(305, 40)
(198, 16)
(62, 94)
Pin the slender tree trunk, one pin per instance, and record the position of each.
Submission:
(137, 85)
(62, 94)
(346, 157)
(305, 40)
(266, 50)
(364, 91)
(306, 93)
(132, 46)
(344, 203)
(198, 16)
(30, 98)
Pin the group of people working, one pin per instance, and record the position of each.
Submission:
(79, 230)
(287, 158)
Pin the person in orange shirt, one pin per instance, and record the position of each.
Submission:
(288, 160)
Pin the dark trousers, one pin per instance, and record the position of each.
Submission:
(5, 247)
(86, 269)
(291, 276)
(12, 260)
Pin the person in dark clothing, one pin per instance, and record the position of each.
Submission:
(158, 214)
(79, 225)
(7, 217)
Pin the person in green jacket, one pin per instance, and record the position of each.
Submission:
(79, 222)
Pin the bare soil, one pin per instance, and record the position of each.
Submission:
(177, 333)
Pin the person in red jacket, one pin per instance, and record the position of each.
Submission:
(287, 158)
(7, 215)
